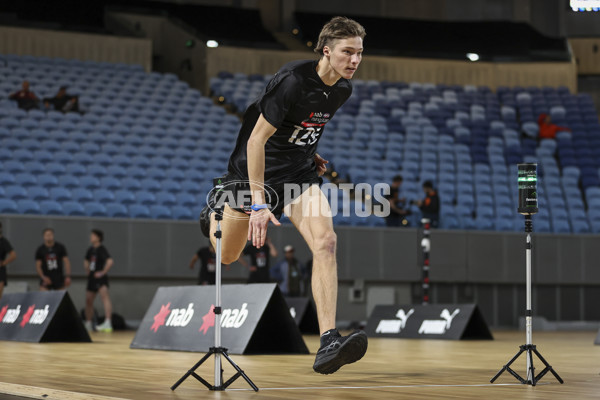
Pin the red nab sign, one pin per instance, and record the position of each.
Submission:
(183, 318)
(55, 319)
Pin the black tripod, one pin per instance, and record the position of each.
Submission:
(218, 350)
(529, 348)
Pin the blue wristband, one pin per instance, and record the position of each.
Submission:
(257, 207)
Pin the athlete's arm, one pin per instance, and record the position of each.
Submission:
(272, 249)
(109, 263)
(86, 265)
(44, 278)
(259, 220)
(12, 256)
(67, 270)
(193, 261)
(320, 161)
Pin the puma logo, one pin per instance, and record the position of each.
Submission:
(326, 95)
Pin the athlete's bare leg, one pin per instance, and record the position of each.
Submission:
(234, 228)
(89, 305)
(1, 288)
(103, 291)
(311, 215)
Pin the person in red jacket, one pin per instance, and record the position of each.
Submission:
(547, 128)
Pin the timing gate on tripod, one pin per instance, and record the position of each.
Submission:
(528, 205)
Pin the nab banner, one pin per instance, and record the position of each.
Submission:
(40, 317)
(437, 321)
(255, 320)
(304, 313)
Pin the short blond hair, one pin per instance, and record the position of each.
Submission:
(338, 28)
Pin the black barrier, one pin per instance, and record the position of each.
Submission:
(255, 320)
(597, 341)
(304, 313)
(40, 317)
(433, 321)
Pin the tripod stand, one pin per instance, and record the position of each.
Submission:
(217, 350)
(528, 348)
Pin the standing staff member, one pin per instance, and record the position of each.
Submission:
(7, 255)
(276, 146)
(260, 261)
(208, 263)
(52, 264)
(97, 263)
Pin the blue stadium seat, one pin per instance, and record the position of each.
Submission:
(124, 196)
(68, 181)
(38, 193)
(165, 198)
(103, 195)
(27, 206)
(150, 185)
(60, 194)
(145, 197)
(82, 195)
(15, 192)
(89, 182)
(94, 209)
(160, 212)
(8, 206)
(182, 213)
(117, 210)
(51, 207)
(139, 211)
(110, 183)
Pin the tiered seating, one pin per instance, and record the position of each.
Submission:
(466, 140)
(146, 147)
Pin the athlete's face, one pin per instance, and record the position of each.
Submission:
(94, 240)
(49, 237)
(344, 56)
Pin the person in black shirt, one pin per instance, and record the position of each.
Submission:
(7, 255)
(97, 263)
(62, 101)
(52, 264)
(260, 261)
(25, 98)
(398, 213)
(206, 255)
(275, 168)
(430, 205)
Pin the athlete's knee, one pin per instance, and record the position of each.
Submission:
(326, 244)
(229, 257)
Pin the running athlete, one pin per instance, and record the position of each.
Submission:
(97, 263)
(276, 146)
(52, 264)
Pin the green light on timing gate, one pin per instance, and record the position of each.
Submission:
(527, 179)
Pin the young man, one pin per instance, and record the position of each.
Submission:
(206, 255)
(276, 147)
(97, 263)
(260, 261)
(25, 98)
(52, 264)
(7, 255)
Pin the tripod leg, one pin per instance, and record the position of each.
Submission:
(548, 368)
(239, 373)
(507, 366)
(191, 371)
(531, 372)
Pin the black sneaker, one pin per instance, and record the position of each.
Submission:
(338, 350)
(205, 221)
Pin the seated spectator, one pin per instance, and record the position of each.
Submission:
(62, 101)
(398, 212)
(547, 128)
(25, 98)
(430, 205)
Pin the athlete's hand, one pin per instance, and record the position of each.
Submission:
(46, 280)
(320, 161)
(67, 281)
(257, 226)
(98, 274)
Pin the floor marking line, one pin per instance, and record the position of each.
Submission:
(385, 387)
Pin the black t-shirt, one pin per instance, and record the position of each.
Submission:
(298, 104)
(5, 248)
(97, 257)
(51, 258)
(260, 257)
(208, 264)
(431, 203)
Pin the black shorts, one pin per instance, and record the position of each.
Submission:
(238, 197)
(58, 282)
(3, 275)
(94, 284)
(261, 275)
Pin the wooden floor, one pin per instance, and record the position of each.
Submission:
(392, 369)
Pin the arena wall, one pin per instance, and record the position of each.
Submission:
(81, 46)
(466, 266)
